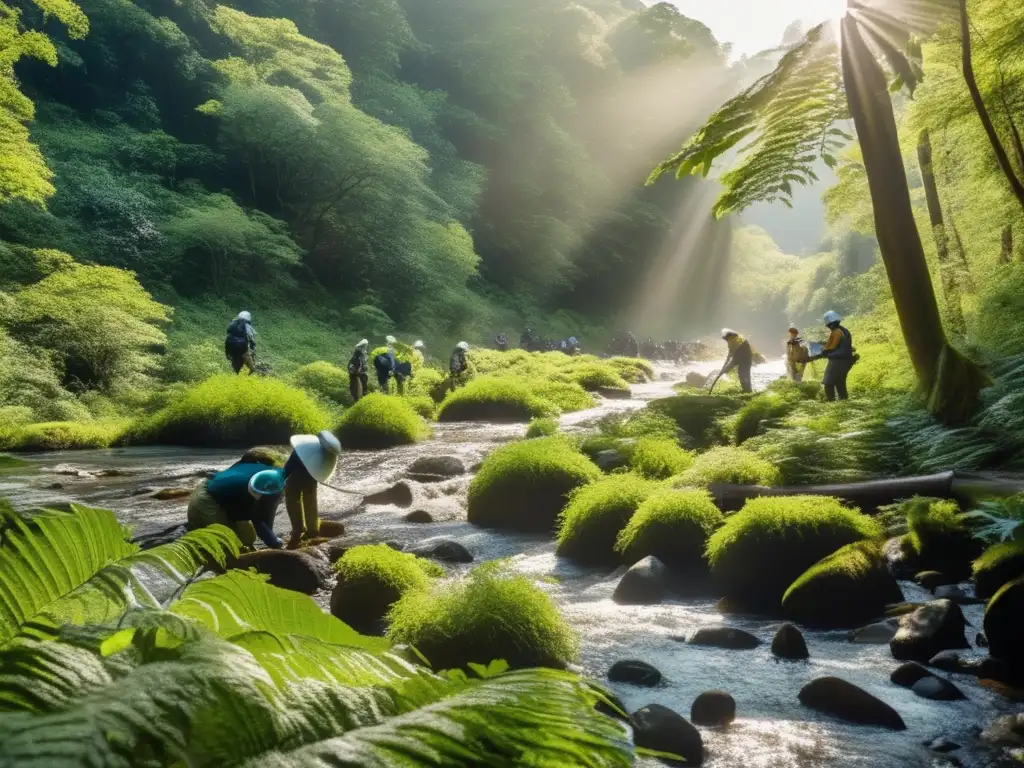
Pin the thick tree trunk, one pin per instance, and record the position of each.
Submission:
(951, 382)
(979, 105)
(1006, 255)
(947, 272)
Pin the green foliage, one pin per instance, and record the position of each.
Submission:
(543, 426)
(632, 369)
(698, 415)
(728, 465)
(763, 548)
(674, 526)
(486, 615)
(324, 380)
(381, 421)
(645, 422)
(1000, 519)
(63, 436)
(563, 395)
(938, 535)
(596, 513)
(493, 399)
(232, 411)
(525, 485)
(593, 376)
(423, 405)
(999, 564)
(658, 458)
(766, 407)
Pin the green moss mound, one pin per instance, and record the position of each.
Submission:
(659, 459)
(633, 369)
(542, 427)
(698, 415)
(64, 436)
(324, 380)
(674, 526)
(486, 616)
(427, 382)
(594, 376)
(848, 588)
(233, 411)
(728, 465)
(766, 546)
(525, 485)
(596, 513)
(996, 566)
(758, 412)
(493, 399)
(938, 536)
(423, 405)
(564, 396)
(381, 421)
(371, 578)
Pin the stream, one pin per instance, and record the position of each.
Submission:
(772, 729)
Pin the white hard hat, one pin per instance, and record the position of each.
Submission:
(390, 339)
(832, 317)
(363, 343)
(726, 332)
(318, 453)
(244, 316)
(463, 345)
(417, 345)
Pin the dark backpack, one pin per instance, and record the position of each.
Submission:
(383, 362)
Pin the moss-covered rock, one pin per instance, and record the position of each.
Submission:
(846, 589)
(761, 550)
(525, 485)
(996, 566)
(371, 578)
(698, 415)
(939, 538)
(760, 411)
(1004, 625)
(633, 369)
(493, 399)
(63, 436)
(727, 465)
(486, 616)
(542, 427)
(381, 421)
(674, 526)
(598, 375)
(659, 458)
(596, 513)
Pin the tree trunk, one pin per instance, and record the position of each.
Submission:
(979, 105)
(950, 381)
(961, 252)
(947, 274)
(1006, 256)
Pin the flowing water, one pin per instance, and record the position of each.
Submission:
(772, 730)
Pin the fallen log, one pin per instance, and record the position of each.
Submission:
(872, 494)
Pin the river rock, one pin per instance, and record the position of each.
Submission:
(935, 626)
(635, 672)
(1004, 624)
(112, 473)
(955, 662)
(695, 379)
(879, 633)
(1005, 731)
(905, 675)
(433, 469)
(615, 393)
(937, 689)
(932, 580)
(713, 708)
(659, 728)
(331, 529)
(419, 516)
(957, 594)
(899, 558)
(942, 745)
(980, 640)
(789, 643)
(289, 569)
(724, 637)
(846, 701)
(446, 550)
(169, 494)
(644, 583)
(398, 495)
(610, 460)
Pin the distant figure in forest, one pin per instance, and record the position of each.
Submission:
(458, 365)
(572, 346)
(528, 339)
(841, 356)
(797, 355)
(419, 352)
(358, 371)
(384, 365)
(740, 359)
(240, 342)
(501, 342)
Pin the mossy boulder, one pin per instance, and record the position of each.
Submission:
(63, 436)
(759, 412)
(371, 578)
(596, 513)
(659, 458)
(846, 589)
(727, 465)
(997, 565)
(698, 415)
(633, 369)
(674, 526)
(1004, 625)
(324, 380)
(485, 616)
(762, 549)
(542, 427)
(525, 485)
(492, 398)
(381, 421)
(596, 376)
(939, 537)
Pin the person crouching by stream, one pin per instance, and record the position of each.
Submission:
(245, 497)
(841, 356)
(796, 355)
(458, 366)
(358, 377)
(741, 357)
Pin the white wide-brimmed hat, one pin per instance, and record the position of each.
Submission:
(318, 454)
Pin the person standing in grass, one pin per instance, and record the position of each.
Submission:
(240, 343)
(839, 352)
(358, 378)
(740, 359)
(458, 365)
(796, 355)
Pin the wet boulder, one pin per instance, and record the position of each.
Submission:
(659, 728)
(998, 565)
(937, 688)
(713, 709)
(955, 662)
(956, 593)
(935, 626)
(289, 569)
(634, 672)
(331, 529)
(694, 379)
(835, 696)
(729, 638)
(940, 539)
(398, 495)
(609, 460)
(879, 633)
(1005, 731)
(1004, 624)
(844, 589)
(434, 469)
(906, 675)
(445, 550)
(170, 494)
(899, 558)
(932, 580)
(789, 643)
(615, 393)
(419, 516)
(645, 583)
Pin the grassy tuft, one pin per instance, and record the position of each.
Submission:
(423, 405)
(593, 376)
(728, 465)
(525, 485)
(324, 380)
(381, 421)
(698, 415)
(485, 616)
(632, 369)
(596, 513)
(659, 459)
(493, 399)
(542, 427)
(753, 416)
(562, 395)
(674, 526)
(64, 436)
(996, 566)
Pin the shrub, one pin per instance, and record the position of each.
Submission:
(594, 376)
(659, 459)
(938, 536)
(65, 436)
(233, 411)
(761, 550)
(192, 363)
(595, 515)
(997, 565)
(698, 415)
(674, 526)
(632, 369)
(485, 616)
(324, 380)
(492, 399)
(381, 421)
(728, 465)
(542, 427)
(371, 578)
(525, 485)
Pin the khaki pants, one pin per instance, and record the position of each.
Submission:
(301, 503)
(243, 360)
(203, 510)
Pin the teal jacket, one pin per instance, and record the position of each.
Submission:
(230, 489)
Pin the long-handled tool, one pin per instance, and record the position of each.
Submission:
(721, 373)
(343, 490)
